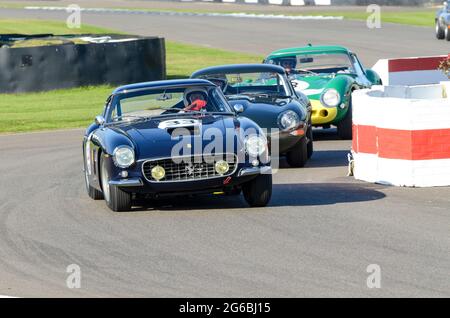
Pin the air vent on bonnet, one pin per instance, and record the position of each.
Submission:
(184, 126)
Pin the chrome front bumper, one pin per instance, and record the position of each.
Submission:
(131, 182)
(255, 170)
(137, 182)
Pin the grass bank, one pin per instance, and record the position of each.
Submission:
(70, 108)
(418, 16)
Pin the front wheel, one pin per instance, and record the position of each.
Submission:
(258, 192)
(440, 33)
(116, 199)
(298, 156)
(91, 191)
(344, 127)
(447, 33)
(310, 147)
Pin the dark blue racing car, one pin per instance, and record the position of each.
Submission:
(177, 137)
(442, 22)
(263, 93)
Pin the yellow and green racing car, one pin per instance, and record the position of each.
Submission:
(327, 75)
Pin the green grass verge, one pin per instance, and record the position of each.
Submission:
(41, 26)
(71, 108)
(408, 16)
(417, 17)
(183, 59)
(423, 17)
(67, 108)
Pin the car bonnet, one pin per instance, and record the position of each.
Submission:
(155, 139)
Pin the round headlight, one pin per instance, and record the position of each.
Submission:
(123, 157)
(255, 145)
(331, 98)
(158, 173)
(288, 120)
(222, 167)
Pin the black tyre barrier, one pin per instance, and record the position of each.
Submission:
(129, 60)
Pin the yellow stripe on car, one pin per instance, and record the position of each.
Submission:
(322, 115)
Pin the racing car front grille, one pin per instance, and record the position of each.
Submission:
(189, 168)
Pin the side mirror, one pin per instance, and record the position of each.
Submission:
(238, 108)
(99, 120)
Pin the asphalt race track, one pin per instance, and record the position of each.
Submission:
(317, 237)
(264, 35)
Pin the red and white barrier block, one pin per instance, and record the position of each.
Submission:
(401, 135)
(410, 70)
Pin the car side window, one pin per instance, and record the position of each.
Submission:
(358, 68)
(219, 100)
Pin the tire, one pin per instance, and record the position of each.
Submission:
(440, 33)
(344, 127)
(258, 192)
(298, 156)
(92, 192)
(447, 34)
(116, 199)
(310, 146)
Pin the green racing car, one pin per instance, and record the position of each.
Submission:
(327, 75)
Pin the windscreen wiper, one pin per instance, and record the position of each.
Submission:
(186, 113)
(269, 95)
(237, 96)
(122, 117)
(301, 70)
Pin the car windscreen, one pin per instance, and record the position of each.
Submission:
(317, 63)
(166, 101)
(255, 83)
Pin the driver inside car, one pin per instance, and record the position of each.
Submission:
(219, 81)
(195, 99)
(289, 64)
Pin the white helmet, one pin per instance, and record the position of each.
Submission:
(191, 90)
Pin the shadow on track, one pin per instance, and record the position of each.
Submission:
(322, 159)
(307, 194)
(328, 158)
(325, 134)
